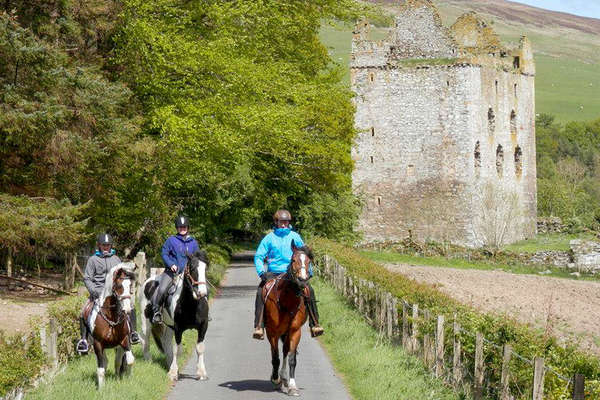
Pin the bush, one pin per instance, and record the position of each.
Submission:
(498, 329)
(21, 359)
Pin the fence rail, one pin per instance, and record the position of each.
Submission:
(424, 335)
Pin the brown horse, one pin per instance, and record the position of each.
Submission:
(285, 313)
(111, 325)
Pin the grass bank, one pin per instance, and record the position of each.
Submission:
(371, 367)
(525, 341)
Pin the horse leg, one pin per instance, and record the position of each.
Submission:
(274, 341)
(283, 372)
(200, 368)
(101, 362)
(119, 356)
(146, 329)
(172, 350)
(294, 339)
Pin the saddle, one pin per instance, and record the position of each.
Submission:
(89, 312)
(270, 284)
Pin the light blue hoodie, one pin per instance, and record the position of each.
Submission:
(276, 250)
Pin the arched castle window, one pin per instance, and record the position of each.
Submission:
(477, 156)
(378, 200)
(371, 77)
(371, 159)
(491, 121)
(513, 122)
(499, 160)
(518, 161)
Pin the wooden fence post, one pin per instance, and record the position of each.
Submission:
(70, 261)
(405, 339)
(439, 348)
(140, 262)
(456, 364)
(578, 387)
(478, 373)
(395, 327)
(53, 343)
(415, 328)
(505, 378)
(538, 379)
(427, 356)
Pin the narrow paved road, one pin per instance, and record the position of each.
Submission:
(238, 366)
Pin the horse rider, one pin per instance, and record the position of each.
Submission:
(275, 251)
(96, 269)
(174, 255)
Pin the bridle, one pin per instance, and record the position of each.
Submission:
(120, 312)
(188, 275)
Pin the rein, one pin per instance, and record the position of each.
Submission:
(189, 276)
(120, 313)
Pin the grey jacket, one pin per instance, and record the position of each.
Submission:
(95, 273)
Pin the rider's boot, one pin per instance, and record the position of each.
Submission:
(259, 307)
(134, 337)
(159, 295)
(82, 345)
(313, 315)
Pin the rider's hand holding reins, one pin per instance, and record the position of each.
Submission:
(174, 268)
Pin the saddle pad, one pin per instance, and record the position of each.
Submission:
(92, 316)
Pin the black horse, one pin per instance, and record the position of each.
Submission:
(186, 308)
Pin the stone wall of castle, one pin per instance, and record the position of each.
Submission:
(446, 148)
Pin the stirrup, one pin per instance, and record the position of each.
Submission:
(157, 318)
(316, 331)
(82, 347)
(258, 334)
(135, 338)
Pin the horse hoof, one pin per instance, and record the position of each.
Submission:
(201, 378)
(293, 392)
(276, 382)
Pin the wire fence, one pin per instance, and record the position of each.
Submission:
(467, 361)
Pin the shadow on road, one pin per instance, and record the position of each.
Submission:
(249, 384)
(238, 291)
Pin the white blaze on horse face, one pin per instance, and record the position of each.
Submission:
(202, 289)
(303, 273)
(126, 302)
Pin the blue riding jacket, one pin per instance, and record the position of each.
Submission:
(176, 249)
(276, 250)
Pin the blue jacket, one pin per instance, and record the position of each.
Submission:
(276, 248)
(175, 250)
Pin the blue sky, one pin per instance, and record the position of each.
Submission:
(586, 8)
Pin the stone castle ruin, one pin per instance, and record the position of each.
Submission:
(446, 120)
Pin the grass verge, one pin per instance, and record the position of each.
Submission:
(372, 368)
(148, 379)
(547, 241)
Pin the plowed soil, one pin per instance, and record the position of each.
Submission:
(566, 309)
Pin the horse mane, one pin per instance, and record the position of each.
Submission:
(307, 250)
(200, 255)
(130, 270)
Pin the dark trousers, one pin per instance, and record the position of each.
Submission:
(164, 281)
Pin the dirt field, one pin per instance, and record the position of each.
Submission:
(16, 313)
(567, 309)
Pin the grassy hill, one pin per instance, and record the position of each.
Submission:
(567, 50)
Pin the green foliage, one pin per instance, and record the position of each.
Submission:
(40, 226)
(246, 110)
(19, 356)
(498, 329)
(65, 313)
(568, 167)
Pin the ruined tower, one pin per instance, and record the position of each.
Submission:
(446, 120)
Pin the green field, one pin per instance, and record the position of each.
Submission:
(565, 87)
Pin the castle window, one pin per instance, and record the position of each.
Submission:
(516, 62)
(448, 83)
(499, 160)
(378, 200)
(371, 159)
(372, 131)
(371, 76)
(513, 122)
(496, 87)
(518, 161)
(477, 155)
(491, 121)
(515, 90)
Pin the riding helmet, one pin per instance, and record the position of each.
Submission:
(105, 238)
(282, 215)
(182, 221)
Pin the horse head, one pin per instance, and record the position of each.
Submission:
(195, 274)
(300, 264)
(123, 278)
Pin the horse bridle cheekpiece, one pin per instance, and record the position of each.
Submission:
(188, 275)
(119, 298)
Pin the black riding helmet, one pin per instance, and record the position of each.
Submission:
(105, 238)
(182, 221)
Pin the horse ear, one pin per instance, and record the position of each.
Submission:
(116, 274)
